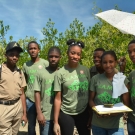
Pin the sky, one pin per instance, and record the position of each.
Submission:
(28, 17)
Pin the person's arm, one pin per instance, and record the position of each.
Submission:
(57, 105)
(90, 116)
(40, 116)
(91, 100)
(92, 95)
(125, 97)
(23, 99)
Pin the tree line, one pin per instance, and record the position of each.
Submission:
(100, 35)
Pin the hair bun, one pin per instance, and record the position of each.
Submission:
(71, 41)
(80, 43)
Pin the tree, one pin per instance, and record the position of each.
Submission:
(3, 31)
(76, 30)
(24, 57)
(106, 36)
(100, 35)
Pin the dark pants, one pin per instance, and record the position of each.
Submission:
(67, 123)
(31, 115)
(130, 127)
(104, 131)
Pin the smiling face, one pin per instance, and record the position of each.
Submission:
(12, 57)
(97, 58)
(74, 54)
(131, 52)
(33, 50)
(109, 63)
(54, 58)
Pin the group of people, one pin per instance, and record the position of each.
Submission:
(63, 98)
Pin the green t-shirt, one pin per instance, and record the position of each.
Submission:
(44, 82)
(131, 78)
(30, 69)
(74, 87)
(103, 88)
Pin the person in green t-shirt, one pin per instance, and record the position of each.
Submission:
(101, 90)
(30, 69)
(71, 85)
(44, 94)
(131, 116)
(97, 68)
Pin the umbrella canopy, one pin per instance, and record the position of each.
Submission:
(123, 21)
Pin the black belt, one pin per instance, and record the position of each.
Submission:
(9, 102)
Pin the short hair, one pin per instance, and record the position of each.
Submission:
(99, 49)
(131, 42)
(54, 48)
(34, 43)
(112, 53)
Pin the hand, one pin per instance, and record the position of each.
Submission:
(122, 64)
(89, 123)
(24, 118)
(41, 118)
(90, 118)
(56, 129)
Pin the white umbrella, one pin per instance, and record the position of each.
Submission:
(123, 21)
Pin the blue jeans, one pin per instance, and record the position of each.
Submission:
(130, 127)
(47, 129)
(31, 115)
(103, 131)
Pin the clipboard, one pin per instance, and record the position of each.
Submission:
(110, 110)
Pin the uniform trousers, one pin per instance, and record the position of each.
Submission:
(10, 118)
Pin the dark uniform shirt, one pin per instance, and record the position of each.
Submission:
(93, 71)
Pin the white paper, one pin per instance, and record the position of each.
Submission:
(119, 87)
(116, 107)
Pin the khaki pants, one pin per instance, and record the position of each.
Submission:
(10, 118)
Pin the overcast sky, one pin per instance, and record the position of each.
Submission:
(28, 17)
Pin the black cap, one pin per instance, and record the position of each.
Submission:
(13, 45)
